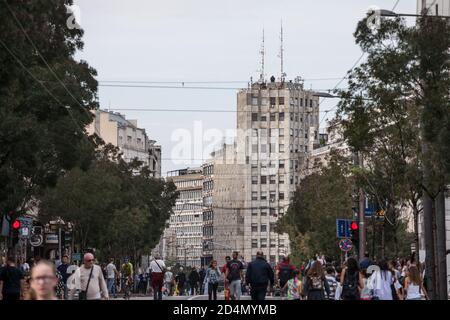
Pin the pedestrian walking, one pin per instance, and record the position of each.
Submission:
(284, 272)
(315, 283)
(181, 281)
(332, 282)
(202, 274)
(351, 280)
(259, 276)
(11, 281)
(212, 276)
(127, 278)
(293, 286)
(365, 261)
(43, 281)
(226, 289)
(381, 281)
(194, 279)
(168, 281)
(414, 284)
(90, 280)
(234, 276)
(62, 269)
(157, 269)
(111, 276)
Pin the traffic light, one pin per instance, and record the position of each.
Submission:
(15, 227)
(354, 230)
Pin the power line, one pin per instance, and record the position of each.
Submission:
(160, 109)
(202, 82)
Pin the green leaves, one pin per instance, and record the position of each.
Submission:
(113, 207)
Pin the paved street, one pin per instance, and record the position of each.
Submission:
(197, 297)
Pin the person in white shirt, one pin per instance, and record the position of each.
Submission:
(111, 275)
(168, 281)
(90, 281)
(157, 269)
(414, 284)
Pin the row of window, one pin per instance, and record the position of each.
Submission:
(263, 212)
(275, 132)
(185, 231)
(185, 218)
(193, 194)
(208, 170)
(273, 179)
(208, 185)
(208, 231)
(208, 215)
(263, 196)
(188, 183)
(273, 148)
(263, 243)
(183, 207)
(272, 164)
(294, 101)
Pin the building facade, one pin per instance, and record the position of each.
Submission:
(186, 222)
(132, 141)
(434, 7)
(208, 213)
(277, 125)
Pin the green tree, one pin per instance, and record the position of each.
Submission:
(45, 98)
(114, 206)
(320, 199)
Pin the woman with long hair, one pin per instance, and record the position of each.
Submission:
(381, 281)
(315, 283)
(43, 281)
(212, 278)
(352, 282)
(414, 284)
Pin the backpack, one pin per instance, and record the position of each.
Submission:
(350, 287)
(285, 273)
(316, 283)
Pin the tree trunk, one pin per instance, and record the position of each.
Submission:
(382, 241)
(416, 228)
(429, 245)
(441, 247)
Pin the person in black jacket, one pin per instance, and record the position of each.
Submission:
(259, 274)
(194, 279)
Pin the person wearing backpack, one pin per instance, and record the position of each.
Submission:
(352, 281)
(284, 272)
(315, 283)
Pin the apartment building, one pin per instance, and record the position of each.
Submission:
(186, 222)
(132, 141)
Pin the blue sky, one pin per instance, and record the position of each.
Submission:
(213, 41)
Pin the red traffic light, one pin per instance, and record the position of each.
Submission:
(354, 226)
(16, 224)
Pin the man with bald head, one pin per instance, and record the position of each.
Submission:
(92, 283)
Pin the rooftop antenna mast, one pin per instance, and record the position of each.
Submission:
(263, 54)
(283, 74)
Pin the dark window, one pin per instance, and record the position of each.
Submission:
(263, 118)
(272, 117)
(281, 116)
(254, 117)
(272, 101)
(281, 100)
(281, 196)
(263, 180)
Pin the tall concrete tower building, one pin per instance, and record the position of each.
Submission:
(277, 124)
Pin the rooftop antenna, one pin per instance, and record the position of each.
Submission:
(281, 56)
(263, 53)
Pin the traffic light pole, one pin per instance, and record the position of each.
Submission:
(361, 216)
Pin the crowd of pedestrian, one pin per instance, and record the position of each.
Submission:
(320, 278)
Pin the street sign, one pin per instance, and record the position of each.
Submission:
(36, 240)
(51, 238)
(345, 245)
(25, 226)
(76, 256)
(343, 228)
(370, 208)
